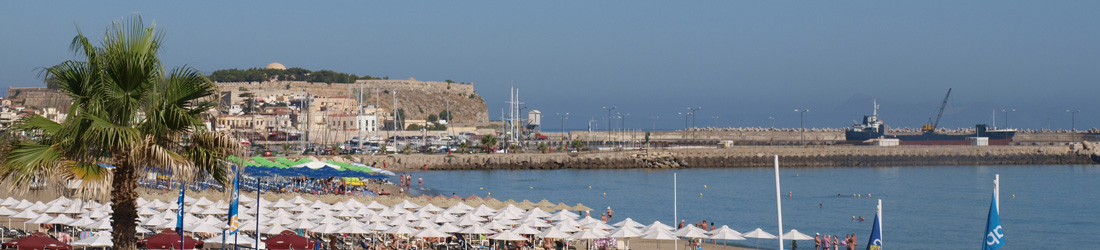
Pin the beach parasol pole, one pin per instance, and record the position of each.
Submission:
(778, 202)
(675, 213)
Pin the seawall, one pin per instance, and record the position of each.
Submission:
(823, 156)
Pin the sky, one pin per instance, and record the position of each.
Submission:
(742, 61)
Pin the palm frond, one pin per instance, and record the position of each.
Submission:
(28, 163)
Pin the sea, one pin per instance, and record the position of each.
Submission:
(923, 207)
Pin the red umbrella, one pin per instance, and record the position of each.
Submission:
(289, 240)
(35, 241)
(169, 239)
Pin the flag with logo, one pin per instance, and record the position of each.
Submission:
(875, 241)
(234, 221)
(994, 236)
(179, 213)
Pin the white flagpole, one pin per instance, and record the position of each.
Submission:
(675, 213)
(778, 202)
(997, 191)
(880, 219)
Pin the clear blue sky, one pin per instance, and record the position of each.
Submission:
(743, 61)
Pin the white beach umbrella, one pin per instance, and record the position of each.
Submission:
(279, 213)
(202, 201)
(467, 221)
(449, 228)
(213, 210)
(374, 218)
(657, 225)
(599, 225)
(22, 205)
(328, 219)
(81, 222)
(9, 202)
(299, 200)
(347, 214)
(279, 221)
(442, 218)
(61, 219)
(431, 208)
(273, 229)
(431, 232)
(325, 228)
(496, 225)
(690, 231)
(41, 219)
(725, 230)
(659, 235)
(535, 224)
(103, 224)
(586, 220)
(146, 211)
(154, 221)
(318, 204)
(141, 230)
(351, 223)
(282, 204)
(505, 215)
(794, 235)
(377, 227)
(564, 214)
(476, 229)
(301, 224)
(406, 204)
(54, 209)
(203, 228)
(626, 233)
(553, 233)
(567, 223)
(423, 224)
(302, 208)
(353, 229)
(758, 234)
(97, 214)
(567, 228)
(588, 234)
(628, 222)
(462, 206)
(536, 212)
(94, 241)
(248, 226)
(525, 230)
(400, 229)
(374, 205)
(423, 214)
(73, 209)
(507, 236)
(4, 211)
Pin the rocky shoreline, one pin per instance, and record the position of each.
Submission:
(749, 156)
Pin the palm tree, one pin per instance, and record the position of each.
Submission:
(488, 142)
(126, 113)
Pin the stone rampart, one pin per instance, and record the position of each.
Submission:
(824, 156)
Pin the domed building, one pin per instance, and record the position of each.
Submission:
(275, 65)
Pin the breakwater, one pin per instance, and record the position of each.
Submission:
(751, 156)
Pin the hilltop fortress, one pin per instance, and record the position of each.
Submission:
(418, 99)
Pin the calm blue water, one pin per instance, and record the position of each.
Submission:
(941, 207)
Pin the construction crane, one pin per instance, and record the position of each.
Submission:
(933, 125)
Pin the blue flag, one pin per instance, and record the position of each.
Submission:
(234, 222)
(994, 235)
(179, 213)
(875, 241)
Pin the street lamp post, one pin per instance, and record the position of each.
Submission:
(563, 117)
(716, 121)
(692, 111)
(609, 121)
(1073, 119)
(773, 121)
(1006, 115)
(685, 114)
(622, 124)
(801, 125)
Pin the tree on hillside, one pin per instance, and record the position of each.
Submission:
(445, 115)
(249, 102)
(127, 112)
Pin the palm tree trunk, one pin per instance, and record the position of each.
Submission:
(124, 198)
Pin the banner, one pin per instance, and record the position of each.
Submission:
(179, 213)
(234, 221)
(875, 241)
(994, 235)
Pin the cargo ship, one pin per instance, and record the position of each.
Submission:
(873, 128)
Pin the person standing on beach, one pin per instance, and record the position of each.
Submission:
(610, 213)
(817, 241)
(681, 225)
(855, 242)
(836, 243)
